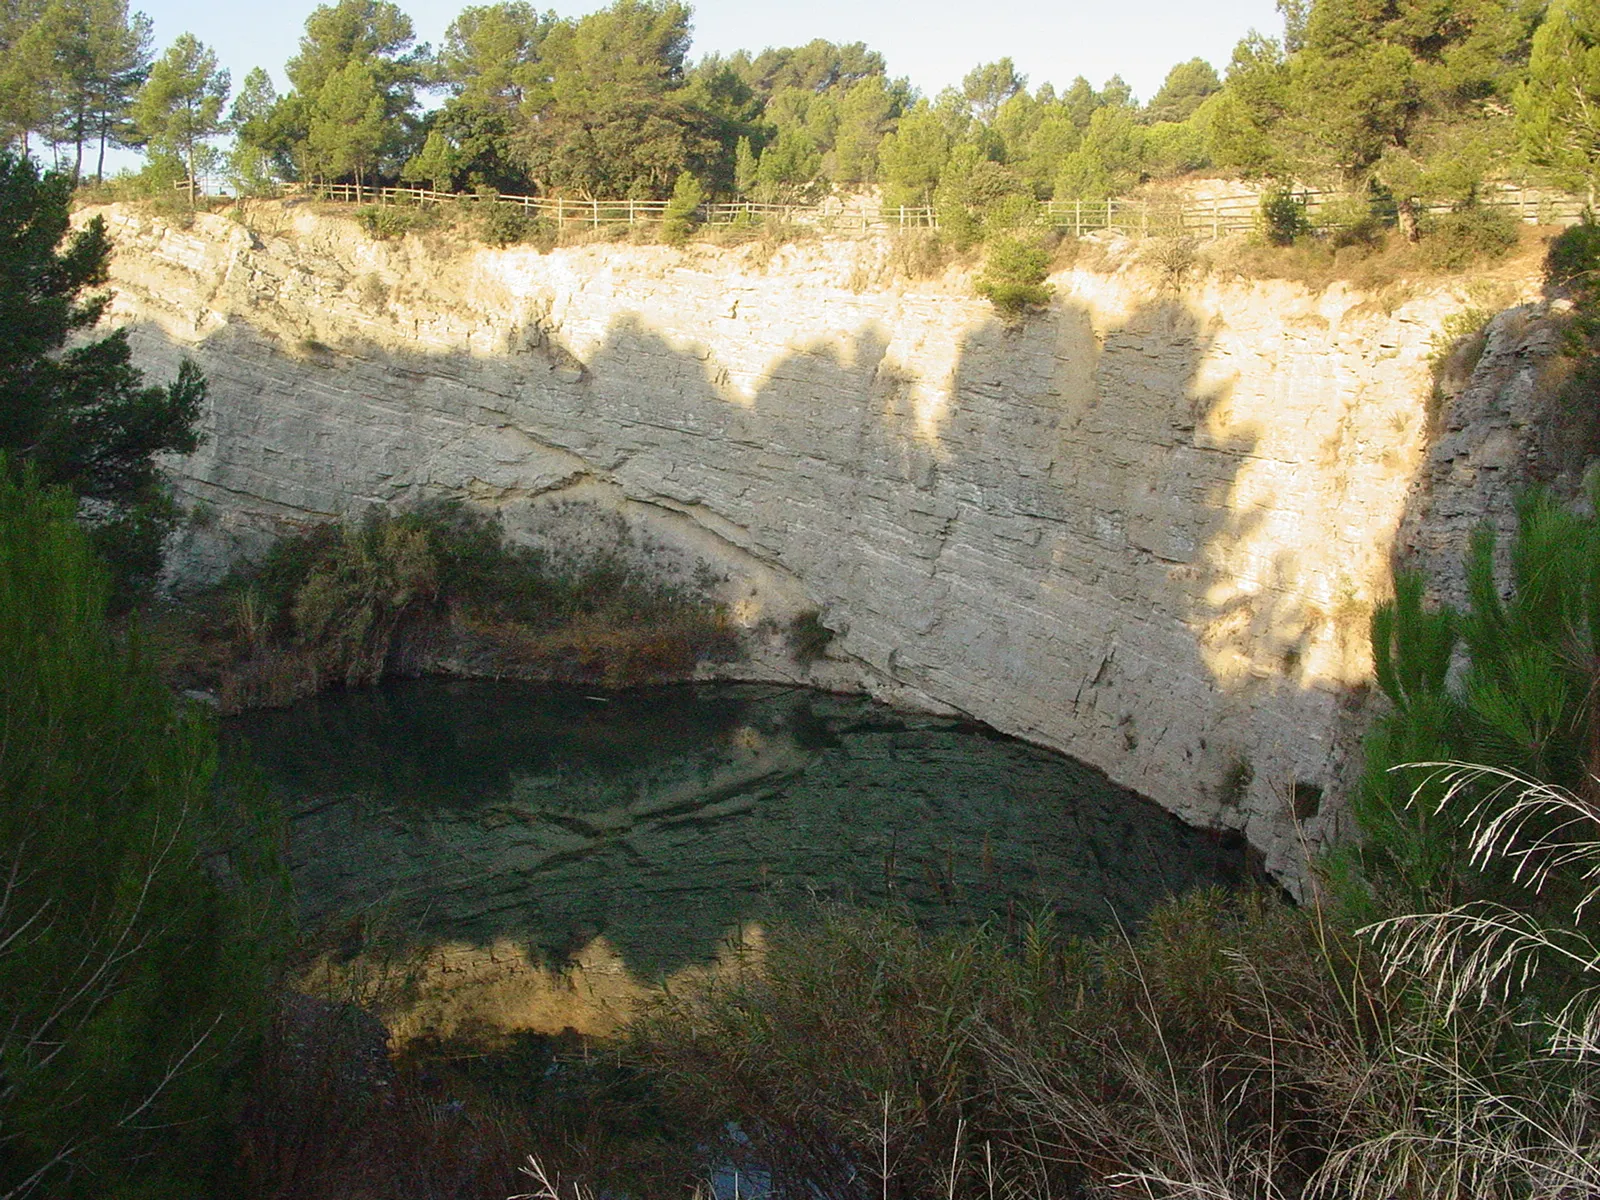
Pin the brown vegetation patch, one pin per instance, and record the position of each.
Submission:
(437, 591)
(1387, 262)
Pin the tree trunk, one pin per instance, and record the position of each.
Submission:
(1406, 212)
(79, 129)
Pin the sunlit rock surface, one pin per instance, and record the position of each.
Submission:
(1147, 528)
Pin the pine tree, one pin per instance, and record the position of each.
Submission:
(679, 218)
(122, 64)
(1108, 161)
(71, 70)
(24, 74)
(435, 164)
(132, 981)
(1185, 88)
(352, 51)
(251, 161)
(867, 110)
(347, 124)
(82, 417)
(491, 64)
(744, 167)
(989, 86)
(180, 107)
(1528, 698)
(1558, 107)
(912, 158)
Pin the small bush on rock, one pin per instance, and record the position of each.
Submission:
(1476, 234)
(505, 225)
(387, 222)
(808, 637)
(679, 219)
(1574, 254)
(1283, 217)
(1013, 278)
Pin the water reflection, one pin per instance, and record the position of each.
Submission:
(515, 832)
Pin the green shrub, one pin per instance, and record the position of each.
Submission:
(1574, 253)
(978, 199)
(387, 222)
(1456, 240)
(1013, 277)
(1351, 221)
(356, 596)
(680, 217)
(808, 638)
(142, 906)
(499, 224)
(1283, 217)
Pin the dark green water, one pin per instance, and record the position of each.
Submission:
(663, 817)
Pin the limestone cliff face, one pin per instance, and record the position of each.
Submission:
(1146, 528)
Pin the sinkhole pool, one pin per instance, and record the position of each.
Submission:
(660, 820)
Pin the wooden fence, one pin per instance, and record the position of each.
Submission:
(1201, 219)
(1226, 215)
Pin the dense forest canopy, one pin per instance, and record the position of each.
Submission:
(1416, 100)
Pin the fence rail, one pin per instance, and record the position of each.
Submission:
(1201, 219)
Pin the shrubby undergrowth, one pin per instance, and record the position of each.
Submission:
(140, 900)
(439, 587)
(1231, 1047)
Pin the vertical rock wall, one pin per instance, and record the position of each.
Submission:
(1146, 528)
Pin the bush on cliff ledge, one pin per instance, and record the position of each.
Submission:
(1013, 277)
(440, 588)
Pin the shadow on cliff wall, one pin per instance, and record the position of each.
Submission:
(1074, 482)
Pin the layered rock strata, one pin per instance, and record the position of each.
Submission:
(1146, 527)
